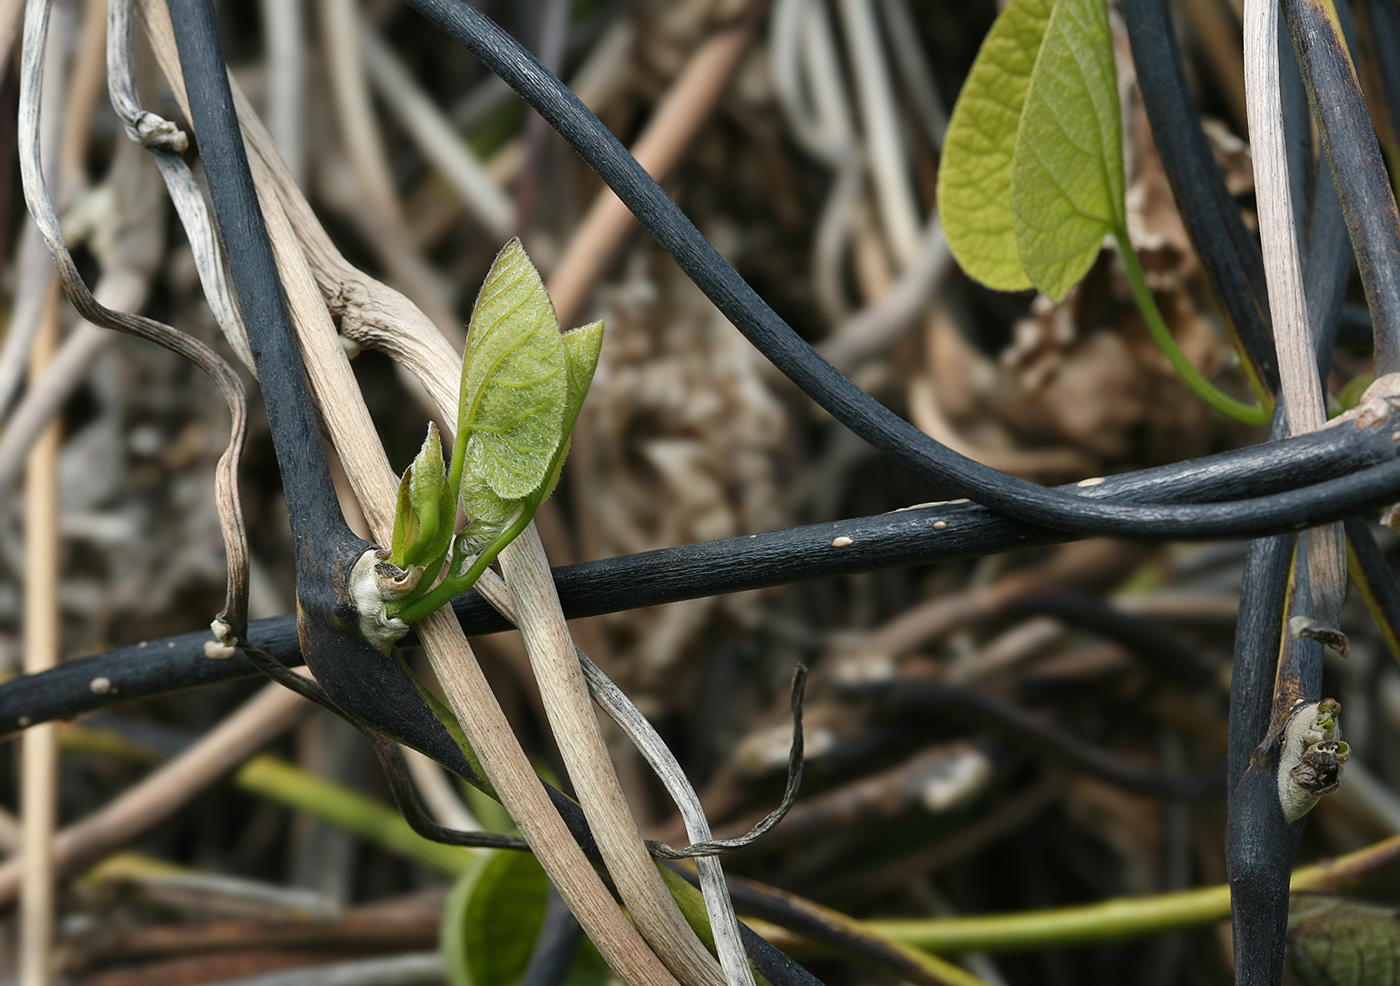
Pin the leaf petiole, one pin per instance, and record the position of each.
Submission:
(1230, 407)
(411, 610)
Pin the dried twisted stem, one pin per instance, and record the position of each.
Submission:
(232, 623)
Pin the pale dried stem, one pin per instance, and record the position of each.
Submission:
(1299, 384)
(127, 239)
(260, 719)
(39, 794)
(341, 46)
(674, 123)
(495, 744)
(33, 258)
(884, 147)
(436, 137)
(164, 144)
(575, 727)
(724, 923)
(354, 437)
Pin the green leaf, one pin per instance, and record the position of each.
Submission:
(974, 177)
(1337, 941)
(426, 512)
(492, 919)
(491, 513)
(1067, 170)
(514, 380)
(581, 348)
(405, 520)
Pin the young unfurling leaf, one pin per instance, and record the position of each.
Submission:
(523, 385)
(514, 380)
(581, 349)
(425, 509)
(489, 513)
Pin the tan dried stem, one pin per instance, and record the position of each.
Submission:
(42, 634)
(674, 123)
(507, 767)
(344, 59)
(1299, 384)
(39, 794)
(263, 717)
(575, 727)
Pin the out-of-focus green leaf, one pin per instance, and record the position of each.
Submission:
(1067, 170)
(1338, 941)
(492, 919)
(974, 177)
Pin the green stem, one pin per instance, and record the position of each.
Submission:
(1121, 918)
(411, 610)
(1244, 413)
(373, 821)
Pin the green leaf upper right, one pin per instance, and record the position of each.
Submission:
(974, 176)
(1067, 173)
(1032, 174)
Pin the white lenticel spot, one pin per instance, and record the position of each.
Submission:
(100, 686)
(840, 542)
(1091, 481)
(940, 525)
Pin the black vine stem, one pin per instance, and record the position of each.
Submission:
(1383, 23)
(358, 678)
(1259, 846)
(1368, 201)
(931, 701)
(1256, 647)
(908, 537)
(776, 340)
(1229, 253)
(306, 478)
(1260, 842)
